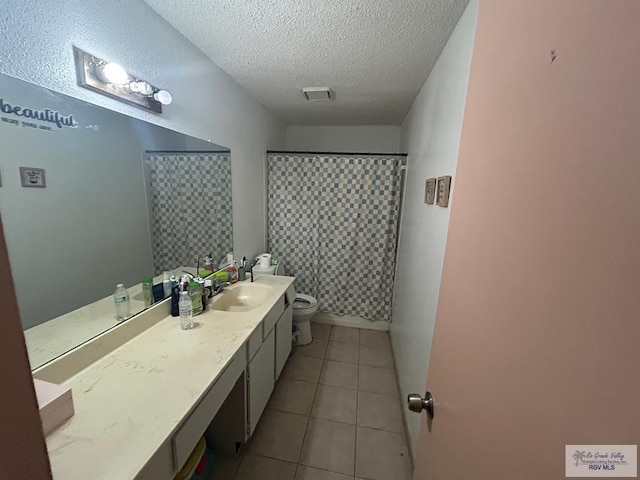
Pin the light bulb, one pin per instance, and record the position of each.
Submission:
(144, 88)
(163, 97)
(114, 73)
(141, 87)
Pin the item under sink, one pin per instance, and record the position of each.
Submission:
(55, 403)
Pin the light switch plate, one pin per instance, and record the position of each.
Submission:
(430, 191)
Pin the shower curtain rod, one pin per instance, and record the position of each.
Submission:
(340, 153)
(178, 152)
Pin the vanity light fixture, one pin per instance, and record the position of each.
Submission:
(114, 81)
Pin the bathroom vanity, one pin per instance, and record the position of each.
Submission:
(145, 392)
(51, 339)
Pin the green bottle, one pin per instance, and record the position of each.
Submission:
(195, 292)
(147, 291)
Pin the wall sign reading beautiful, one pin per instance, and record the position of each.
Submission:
(43, 115)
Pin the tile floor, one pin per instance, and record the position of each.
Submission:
(335, 414)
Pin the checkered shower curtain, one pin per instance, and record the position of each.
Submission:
(190, 208)
(334, 222)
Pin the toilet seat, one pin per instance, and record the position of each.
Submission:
(304, 308)
(304, 302)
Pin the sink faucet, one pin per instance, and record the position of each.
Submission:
(253, 264)
(219, 286)
(191, 276)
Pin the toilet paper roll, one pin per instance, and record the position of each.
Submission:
(265, 260)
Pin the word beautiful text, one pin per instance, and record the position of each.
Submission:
(43, 115)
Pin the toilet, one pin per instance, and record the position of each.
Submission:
(304, 308)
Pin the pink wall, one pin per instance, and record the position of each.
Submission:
(22, 449)
(537, 337)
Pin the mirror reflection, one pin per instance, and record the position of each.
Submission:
(90, 199)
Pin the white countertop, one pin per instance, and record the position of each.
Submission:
(131, 401)
(59, 335)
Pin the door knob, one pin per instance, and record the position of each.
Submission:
(416, 403)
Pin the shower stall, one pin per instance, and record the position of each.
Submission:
(334, 220)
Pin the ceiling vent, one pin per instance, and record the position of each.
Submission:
(318, 94)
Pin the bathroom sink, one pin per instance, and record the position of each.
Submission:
(241, 297)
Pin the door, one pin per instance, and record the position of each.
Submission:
(283, 339)
(261, 379)
(23, 451)
(536, 344)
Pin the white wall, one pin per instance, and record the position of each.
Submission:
(431, 137)
(37, 39)
(344, 138)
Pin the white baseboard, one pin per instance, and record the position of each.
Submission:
(349, 321)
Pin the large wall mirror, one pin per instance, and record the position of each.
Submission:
(90, 198)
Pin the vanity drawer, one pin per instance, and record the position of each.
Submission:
(192, 429)
(255, 340)
(272, 317)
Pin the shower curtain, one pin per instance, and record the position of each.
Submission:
(190, 197)
(334, 221)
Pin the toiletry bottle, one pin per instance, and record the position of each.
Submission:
(121, 300)
(233, 273)
(208, 264)
(166, 284)
(195, 292)
(184, 283)
(147, 291)
(186, 311)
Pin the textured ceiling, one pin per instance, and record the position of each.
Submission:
(374, 54)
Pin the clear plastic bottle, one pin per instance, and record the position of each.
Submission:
(186, 311)
(121, 300)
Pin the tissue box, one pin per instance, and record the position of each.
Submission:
(55, 403)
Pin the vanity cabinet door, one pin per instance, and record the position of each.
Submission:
(261, 379)
(283, 340)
